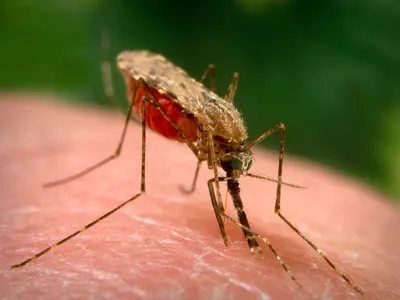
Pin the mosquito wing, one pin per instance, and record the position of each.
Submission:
(161, 74)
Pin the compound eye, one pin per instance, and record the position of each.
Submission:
(249, 165)
(236, 164)
(230, 164)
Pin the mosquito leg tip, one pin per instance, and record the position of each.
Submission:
(259, 254)
(359, 290)
(256, 251)
(48, 185)
(13, 267)
(185, 191)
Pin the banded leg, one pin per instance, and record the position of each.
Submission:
(234, 191)
(109, 158)
(228, 97)
(106, 73)
(281, 127)
(266, 134)
(273, 179)
(196, 174)
(266, 241)
(209, 71)
(216, 202)
(217, 210)
(250, 235)
(150, 101)
(106, 67)
(230, 94)
(91, 224)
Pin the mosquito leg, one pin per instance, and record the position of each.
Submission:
(268, 178)
(319, 251)
(218, 205)
(108, 87)
(209, 71)
(230, 94)
(281, 127)
(266, 241)
(218, 210)
(153, 101)
(91, 224)
(212, 164)
(116, 153)
(148, 99)
(234, 191)
(196, 174)
(106, 67)
(278, 212)
(226, 205)
(249, 234)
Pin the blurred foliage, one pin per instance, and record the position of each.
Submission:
(330, 70)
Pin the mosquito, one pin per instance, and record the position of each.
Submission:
(170, 102)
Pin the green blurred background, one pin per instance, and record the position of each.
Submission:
(330, 70)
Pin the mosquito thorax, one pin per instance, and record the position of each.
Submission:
(236, 163)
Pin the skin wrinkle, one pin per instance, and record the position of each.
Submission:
(199, 263)
(250, 288)
(325, 295)
(225, 276)
(218, 291)
(110, 247)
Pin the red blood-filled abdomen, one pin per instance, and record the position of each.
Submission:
(156, 121)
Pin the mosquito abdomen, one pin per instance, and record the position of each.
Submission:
(156, 122)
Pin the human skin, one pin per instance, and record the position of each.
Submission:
(167, 245)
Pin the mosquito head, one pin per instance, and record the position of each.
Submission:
(236, 163)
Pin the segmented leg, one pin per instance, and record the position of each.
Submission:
(228, 97)
(117, 152)
(281, 127)
(217, 203)
(250, 235)
(209, 71)
(148, 99)
(196, 174)
(91, 224)
(106, 67)
(230, 94)
(226, 204)
(266, 241)
(234, 191)
(268, 178)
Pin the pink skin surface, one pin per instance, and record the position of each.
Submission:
(167, 245)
